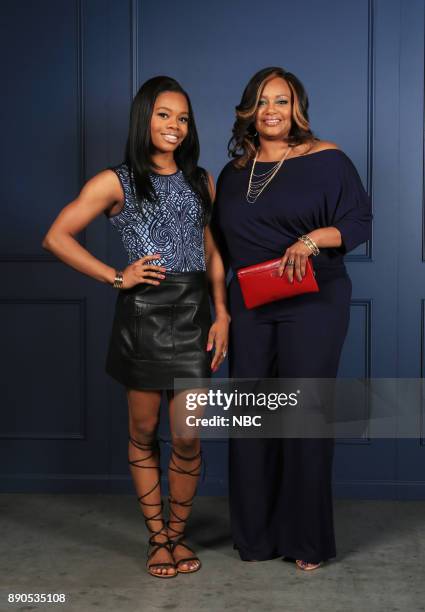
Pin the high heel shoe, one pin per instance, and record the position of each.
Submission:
(177, 537)
(154, 544)
(303, 565)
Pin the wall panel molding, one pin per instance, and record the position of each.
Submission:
(368, 255)
(45, 256)
(366, 306)
(79, 434)
(422, 370)
(135, 47)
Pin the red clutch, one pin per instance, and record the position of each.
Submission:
(261, 284)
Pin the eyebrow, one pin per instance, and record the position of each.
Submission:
(171, 110)
(276, 96)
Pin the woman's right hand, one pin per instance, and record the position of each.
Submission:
(141, 271)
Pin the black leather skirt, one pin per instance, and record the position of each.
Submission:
(160, 332)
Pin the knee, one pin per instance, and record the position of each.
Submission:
(143, 428)
(187, 447)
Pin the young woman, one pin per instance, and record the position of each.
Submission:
(160, 201)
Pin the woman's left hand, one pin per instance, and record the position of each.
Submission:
(218, 338)
(295, 259)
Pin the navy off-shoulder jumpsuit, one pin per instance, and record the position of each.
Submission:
(281, 489)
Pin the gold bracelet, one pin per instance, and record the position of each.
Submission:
(310, 243)
(118, 281)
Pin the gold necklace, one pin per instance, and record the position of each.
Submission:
(256, 187)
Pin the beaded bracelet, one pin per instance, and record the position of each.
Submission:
(310, 243)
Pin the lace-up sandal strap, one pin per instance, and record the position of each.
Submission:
(141, 497)
(154, 446)
(174, 542)
(145, 446)
(156, 517)
(179, 469)
(156, 546)
(178, 520)
(138, 463)
(165, 544)
(179, 542)
(174, 517)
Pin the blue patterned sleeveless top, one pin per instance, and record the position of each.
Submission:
(171, 227)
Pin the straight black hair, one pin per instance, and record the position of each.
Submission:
(139, 146)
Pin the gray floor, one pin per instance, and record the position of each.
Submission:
(92, 548)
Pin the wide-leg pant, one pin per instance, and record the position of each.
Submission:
(281, 489)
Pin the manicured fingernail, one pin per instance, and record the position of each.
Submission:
(209, 347)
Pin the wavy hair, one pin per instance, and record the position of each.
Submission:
(244, 141)
(139, 146)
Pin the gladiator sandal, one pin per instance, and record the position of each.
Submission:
(177, 536)
(153, 543)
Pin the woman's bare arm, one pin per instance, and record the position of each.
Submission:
(99, 194)
(218, 336)
(215, 268)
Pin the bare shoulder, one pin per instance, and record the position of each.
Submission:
(307, 148)
(322, 145)
(101, 193)
(108, 181)
(98, 195)
(104, 187)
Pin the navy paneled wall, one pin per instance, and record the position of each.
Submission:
(71, 70)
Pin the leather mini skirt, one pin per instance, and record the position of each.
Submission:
(160, 332)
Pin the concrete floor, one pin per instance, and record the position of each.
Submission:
(92, 548)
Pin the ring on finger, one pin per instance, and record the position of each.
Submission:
(290, 262)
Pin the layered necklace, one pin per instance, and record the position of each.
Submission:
(258, 182)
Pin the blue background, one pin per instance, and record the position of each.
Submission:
(71, 70)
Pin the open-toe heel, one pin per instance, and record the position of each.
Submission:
(177, 535)
(306, 566)
(159, 538)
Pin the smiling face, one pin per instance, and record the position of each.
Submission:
(169, 122)
(273, 118)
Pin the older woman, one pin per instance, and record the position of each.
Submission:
(286, 194)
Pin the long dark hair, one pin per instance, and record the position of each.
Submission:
(139, 146)
(244, 141)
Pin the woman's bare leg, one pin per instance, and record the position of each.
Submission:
(144, 461)
(183, 474)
